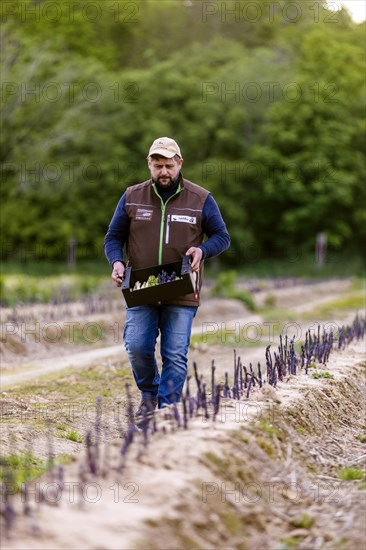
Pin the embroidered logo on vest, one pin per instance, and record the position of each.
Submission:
(144, 214)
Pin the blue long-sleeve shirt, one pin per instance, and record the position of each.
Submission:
(213, 227)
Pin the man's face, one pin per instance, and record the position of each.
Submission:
(164, 171)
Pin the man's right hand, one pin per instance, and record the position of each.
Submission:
(118, 272)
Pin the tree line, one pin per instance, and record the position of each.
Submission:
(266, 100)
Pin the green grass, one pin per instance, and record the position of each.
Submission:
(324, 374)
(338, 266)
(85, 333)
(350, 301)
(268, 428)
(350, 474)
(22, 467)
(289, 543)
(225, 287)
(265, 445)
(47, 269)
(63, 288)
(259, 335)
(67, 402)
(225, 339)
(270, 301)
(305, 521)
(359, 283)
(80, 386)
(74, 436)
(279, 314)
(60, 426)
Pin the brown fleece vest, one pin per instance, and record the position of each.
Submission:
(162, 234)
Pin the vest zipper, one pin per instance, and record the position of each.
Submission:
(167, 229)
(162, 221)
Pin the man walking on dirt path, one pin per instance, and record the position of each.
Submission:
(159, 221)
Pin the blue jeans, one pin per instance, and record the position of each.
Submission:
(143, 324)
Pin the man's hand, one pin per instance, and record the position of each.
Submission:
(117, 273)
(196, 254)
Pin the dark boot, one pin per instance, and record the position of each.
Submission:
(145, 411)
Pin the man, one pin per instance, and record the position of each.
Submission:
(159, 221)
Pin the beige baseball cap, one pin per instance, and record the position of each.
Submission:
(166, 147)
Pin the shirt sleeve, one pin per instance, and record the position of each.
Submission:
(117, 234)
(214, 227)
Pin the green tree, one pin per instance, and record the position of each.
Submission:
(269, 115)
(313, 149)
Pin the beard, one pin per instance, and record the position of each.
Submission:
(167, 184)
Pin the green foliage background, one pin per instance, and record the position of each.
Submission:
(266, 102)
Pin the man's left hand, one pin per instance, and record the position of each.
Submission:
(196, 254)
